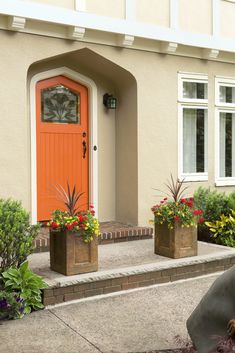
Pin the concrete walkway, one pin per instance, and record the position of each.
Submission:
(134, 321)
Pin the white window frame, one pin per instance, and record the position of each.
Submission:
(190, 104)
(221, 107)
(223, 81)
(197, 78)
(220, 181)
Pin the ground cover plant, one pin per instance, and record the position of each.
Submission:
(20, 288)
(21, 292)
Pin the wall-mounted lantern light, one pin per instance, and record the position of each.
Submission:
(109, 101)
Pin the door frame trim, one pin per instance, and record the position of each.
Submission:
(92, 119)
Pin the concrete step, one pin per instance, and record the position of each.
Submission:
(130, 265)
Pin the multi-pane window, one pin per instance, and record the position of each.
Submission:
(193, 126)
(225, 131)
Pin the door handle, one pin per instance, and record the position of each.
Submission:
(84, 148)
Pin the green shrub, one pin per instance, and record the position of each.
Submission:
(212, 203)
(21, 290)
(224, 229)
(16, 234)
(231, 201)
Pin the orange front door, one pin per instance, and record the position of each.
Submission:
(62, 142)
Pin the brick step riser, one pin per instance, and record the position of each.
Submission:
(42, 245)
(58, 295)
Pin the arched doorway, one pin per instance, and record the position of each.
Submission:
(78, 87)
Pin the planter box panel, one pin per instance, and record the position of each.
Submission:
(69, 254)
(82, 254)
(175, 243)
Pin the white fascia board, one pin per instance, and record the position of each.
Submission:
(52, 14)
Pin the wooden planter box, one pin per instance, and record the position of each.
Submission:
(175, 243)
(69, 254)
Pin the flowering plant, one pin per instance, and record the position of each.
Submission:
(73, 219)
(181, 211)
(83, 220)
(178, 209)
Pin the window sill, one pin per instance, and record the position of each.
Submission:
(229, 182)
(194, 177)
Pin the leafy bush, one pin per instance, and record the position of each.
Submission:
(21, 291)
(212, 203)
(231, 201)
(224, 229)
(16, 234)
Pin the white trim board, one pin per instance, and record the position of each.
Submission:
(66, 17)
(130, 10)
(93, 162)
(216, 17)
(174, 14)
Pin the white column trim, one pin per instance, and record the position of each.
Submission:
(174, 14)
(215, 17)
(80, 5)
(130, 10)
(93, 162)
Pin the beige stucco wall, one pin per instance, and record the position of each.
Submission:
(227, 17)
(195, 16)
(69, 4)
(137, 143)
(112, 8)
(154, 12)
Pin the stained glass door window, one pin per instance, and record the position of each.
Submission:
(60, 105)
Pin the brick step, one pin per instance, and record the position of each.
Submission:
(63, 289)
(111, 232)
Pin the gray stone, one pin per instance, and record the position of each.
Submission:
(210, 318)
